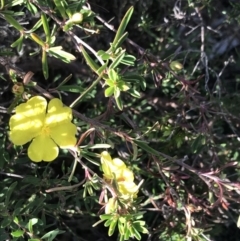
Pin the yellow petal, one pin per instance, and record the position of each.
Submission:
(23, 130)
(105, 157)
(106, 161)
(64, 135)
(28, 120)
(57, 113)
(127, 175)
(118, 163)
(42, 148)
(20, 137)
(34, 107)
(128, 189)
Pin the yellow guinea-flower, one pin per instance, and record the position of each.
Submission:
(115, 169)
(48, 126)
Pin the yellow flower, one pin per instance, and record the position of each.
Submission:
(115, 169)
(111, 166)
(46, 126)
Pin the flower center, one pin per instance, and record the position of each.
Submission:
(45, 131)
(121, 179)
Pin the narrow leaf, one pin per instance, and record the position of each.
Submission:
(120, 41)
(52, 234)
(45, 64)
(37, 39)
(61, 8)
(123, 26)
(119, 103)
(117, 60)
(46, 27)
(146, 147)
(112, 227)
(90, 61)
(9, 193)
(113, 75)
(13, 22)
(61, 54)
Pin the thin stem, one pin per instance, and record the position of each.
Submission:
(77, 101)
(55, 189)
(73, 170)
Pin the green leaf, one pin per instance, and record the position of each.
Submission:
(146, 147)
(134, 93)
(108, 222)
(57, 52)
(17, 211)
(128, 60)
(110, 82)
(97, 146)
(18, 43)
(103, 55)
(120, 227)
(122, 27)
(105, 216)
(13, 22)
(61, 8)
(2, 4)
(37, 39)
(32, 180)
(119, 42)
(198, 143)
(101, 69)
(127, 233)
(31, 223)
(119, 103)
(136, 79)
(238, 221)
(109, 91)
(16, 2)
(139, 225)
(136, 233)
(112, 74)
(9, 193)
(117, 60)
(32, 8)
(52, 234)
(15, 220)
(45, 64)
(135, 151)
(46, 27)
(117, 93)
(92, 64)
(112, 227)
(124, 87)
(121, 237)
(6, 222)
(37, 25)
(17, 233)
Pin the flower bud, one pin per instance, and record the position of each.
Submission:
(76, 18)
(176, 66)
(18, 89)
